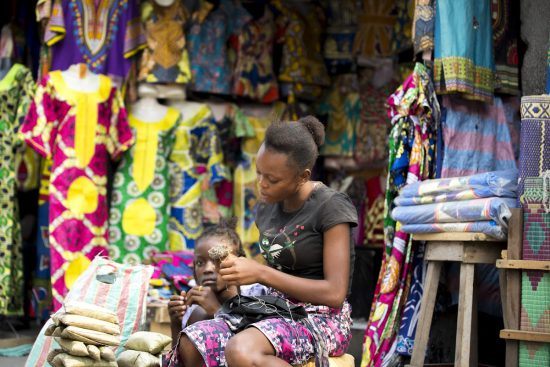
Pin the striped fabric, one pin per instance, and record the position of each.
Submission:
(127, 296)
(476, 138)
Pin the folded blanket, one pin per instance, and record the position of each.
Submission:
(490, 228)
(489, 184)
(497, 209)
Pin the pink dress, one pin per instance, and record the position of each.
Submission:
(79, 131)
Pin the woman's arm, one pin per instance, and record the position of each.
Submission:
(330, 291)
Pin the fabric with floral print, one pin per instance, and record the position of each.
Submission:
(79, 131)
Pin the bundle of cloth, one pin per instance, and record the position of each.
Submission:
(86, 335)
(477, 203)
(143, 349)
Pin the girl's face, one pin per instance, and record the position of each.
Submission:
(277, 179)
(204, 268)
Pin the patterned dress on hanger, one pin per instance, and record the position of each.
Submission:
(16, 89)
(79, 131)
(138, 220)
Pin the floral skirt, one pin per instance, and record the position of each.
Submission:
(293, 340)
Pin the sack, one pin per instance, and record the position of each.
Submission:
(146, 341)
(107, 354)
(66, 360)
(50, 329)
(86, 322)
(52, 355)
(241, 311)
(58, 331)
(90, 310)
(90, 336)
(94, 353)
(73, 347)
(125, 294)
(134, 358)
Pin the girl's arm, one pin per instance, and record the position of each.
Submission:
(330, 291)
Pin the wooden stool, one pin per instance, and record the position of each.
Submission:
(468, 249)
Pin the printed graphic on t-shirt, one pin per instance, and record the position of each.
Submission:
(278, 246)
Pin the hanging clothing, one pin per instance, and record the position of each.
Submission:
(374, 35)
(16, 91)
(79, 131)
(414, 111)
(208, 47)
(254, 75)
(402, 30)
(339, 36)
(138, 220)
(196, 158)
(102, 34)
(505, 16)
(165, 59)
(342, 107)
(463, 54)
(423, 26)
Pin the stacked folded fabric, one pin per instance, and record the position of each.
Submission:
(143, 349)
(85, 334)
(478, 203)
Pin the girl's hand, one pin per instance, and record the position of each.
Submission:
(177, 307)
(240, 271)
(204, 297)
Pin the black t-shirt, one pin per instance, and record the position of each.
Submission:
(293, 242)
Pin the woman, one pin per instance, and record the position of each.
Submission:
(306, 240)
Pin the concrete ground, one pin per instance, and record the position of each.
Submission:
(8, 339)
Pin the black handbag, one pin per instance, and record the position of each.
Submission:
(241, 311)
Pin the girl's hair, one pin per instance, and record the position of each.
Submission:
(226, 229)
(300, 140)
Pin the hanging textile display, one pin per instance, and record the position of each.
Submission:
(402, 30)
(463, 52)
(208, 47)
(414, 113)
(506, 25)
(254, 76)
(374, 35)
(374, 216)
(423, 26)
(103, 36)
(138, 220)
(16, 91)
(340, 33)
(79, 131)
(165, 59)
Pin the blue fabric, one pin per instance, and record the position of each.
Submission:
(490, 228)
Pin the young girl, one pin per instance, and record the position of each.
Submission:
(204, 300)
(306, 240)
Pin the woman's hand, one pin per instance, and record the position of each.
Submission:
(240, 271)
(177, 308)
(204, 297)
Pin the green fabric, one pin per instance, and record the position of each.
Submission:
(18, 351)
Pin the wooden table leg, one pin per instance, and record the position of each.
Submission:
(464, 355)
(426, 312)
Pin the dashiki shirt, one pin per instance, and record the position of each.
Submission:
(208, 47)
(254, 76)
(79, 131)
(165, 60)
(16, 90)
(463, 52)
(196, 164)
(104, 34)
(138, 221)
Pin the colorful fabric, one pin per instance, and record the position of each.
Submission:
(536, 218)
(374, 35)
(534, 138)
(490, 228)
(402, 30)
(481, 185)
(79, 131)
(476, 138)
(414, 112)
(342, 106)
(505, 43)
(254, 76)
(103, 35)
(340, 33)
(165, 59)
(196, 163)
(138, 220)
(303, 72)
(374, 216)
(16, 91)
(126, 296)
(463, 62)
(326, 330)
(423, 25)
(208, 47)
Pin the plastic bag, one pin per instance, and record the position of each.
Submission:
(90, 336)
(86, 322)
(73, 347)
(146, 341)
(93, 352)
(107, 354)
(67, 360)
(90, 310)
(134, 358)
